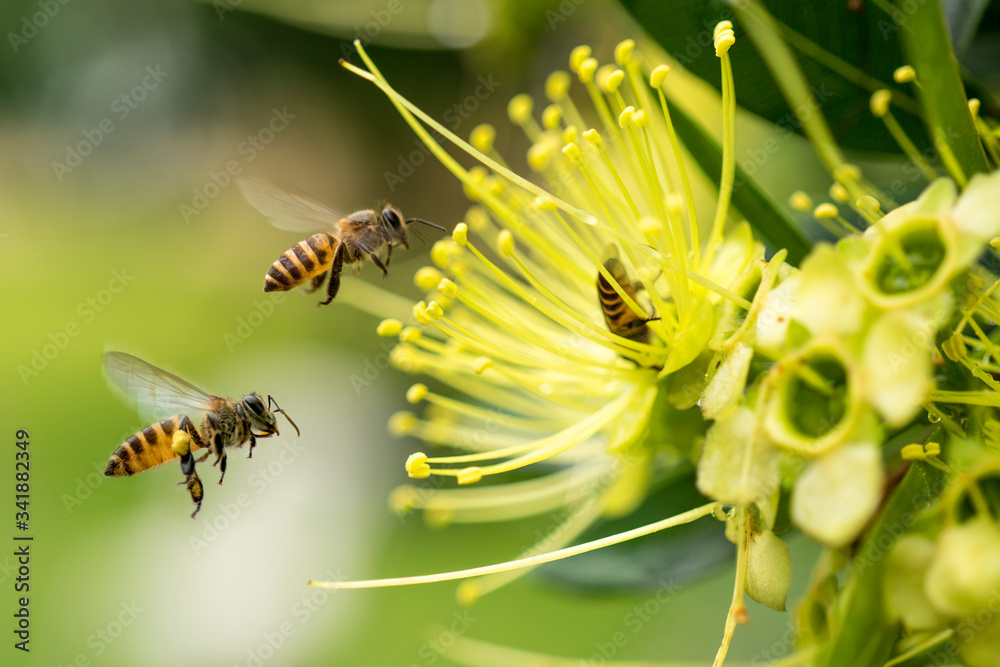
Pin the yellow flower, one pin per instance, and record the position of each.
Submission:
(512, 322)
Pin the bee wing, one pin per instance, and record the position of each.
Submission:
(155, 392)
(289, 210)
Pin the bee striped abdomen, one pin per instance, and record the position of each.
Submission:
(303, 261)
(621, 319)
(146, 449)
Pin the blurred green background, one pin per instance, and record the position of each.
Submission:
(98, 251)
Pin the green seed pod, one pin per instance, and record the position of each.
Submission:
(769, 570)
(903, 584)
(965, 572)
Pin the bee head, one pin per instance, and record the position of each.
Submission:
(258, 415)
(394, 220)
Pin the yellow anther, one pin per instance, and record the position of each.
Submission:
(675, 203)
(974, 105)
(389, 327)
(904, 74)
(540, 156)
(868, 202)
(416, 466)
(932, 448)
(593, 136)
(626, 116)
(570, 135)
(623, 52)
(470, 475)
(416, 393)
(495, 185)
(505, 243)
(434, 311)
(577, 56)
(468, 592)
(427, 278)
(879, 102)
(552, 116)
(640, 119)
(604, 73)
(800, 201)
(723, 42)
(404, 499)
(544, 203)
(402, 423)
(572, 151)
(658, 75)
(403, 358)
(954, 347)
(839, 193)
(461, 234)
(650, 226)
(849, 171)
(481, 364)
(441, 253)
(720, 26)
(587, 69)
(615, 80)
(912, 453)
(826, 210)
(420, 313)
(410, 335)
(181, 443)
(519, 108)
(448, 288)
(557, 86)
(482, 137)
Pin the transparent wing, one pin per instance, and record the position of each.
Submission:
(155, 392)
(289, 210)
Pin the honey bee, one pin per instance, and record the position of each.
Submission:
(341, 240)
(225, 423)
(621, 319)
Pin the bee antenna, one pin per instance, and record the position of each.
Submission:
(277, 409)
(429, 224)
(419, 234)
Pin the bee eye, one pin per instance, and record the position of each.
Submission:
(390, 216)
(254, 404)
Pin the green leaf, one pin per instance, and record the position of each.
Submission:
(666, 559)
(760, 210)
(845, 56)
(862, 635)
(945, 106)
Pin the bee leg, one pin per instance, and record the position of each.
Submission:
(315, 283)
(197, 491)
(221, 462)
(253, 443)
(191, 481)
(388, 256)
(378, 262)
(338, 266)
(201, 459)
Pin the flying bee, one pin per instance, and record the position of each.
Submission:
(621, 319)
(340, 240)
(225, 423)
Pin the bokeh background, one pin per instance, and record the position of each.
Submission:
(98, 252)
